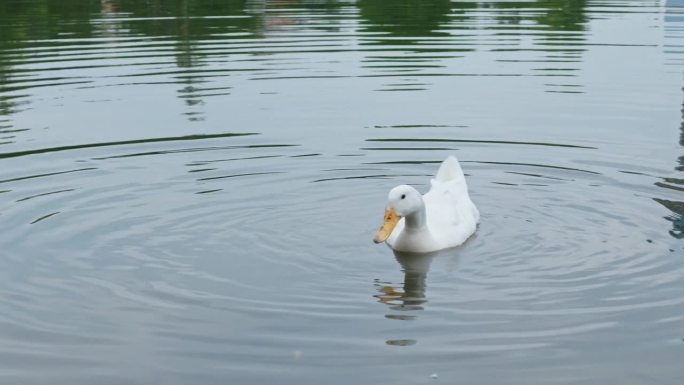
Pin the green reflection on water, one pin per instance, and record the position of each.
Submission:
(182, 31)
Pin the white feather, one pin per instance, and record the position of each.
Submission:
(444, 217)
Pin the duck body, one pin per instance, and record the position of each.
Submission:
(442, 218)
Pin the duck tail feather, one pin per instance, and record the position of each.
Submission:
(449, 170)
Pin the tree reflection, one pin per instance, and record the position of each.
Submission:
(677, 207)
(192, 30)
(555, 15)
(203, 30)
(183, 21)
(418, 18)
(408, 18)
(423, 35)
(674, 19)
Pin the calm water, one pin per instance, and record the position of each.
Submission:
(188, 191)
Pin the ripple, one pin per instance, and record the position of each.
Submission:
(47, 174)
(222, 224)
(503, 142)
(121, 143)
(44, 194)
(566, 256)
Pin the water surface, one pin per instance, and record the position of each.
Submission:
(188, 191)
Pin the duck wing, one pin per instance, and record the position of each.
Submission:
(451, 215)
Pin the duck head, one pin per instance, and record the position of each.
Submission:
(402, 201)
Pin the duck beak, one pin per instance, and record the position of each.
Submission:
(390, 221)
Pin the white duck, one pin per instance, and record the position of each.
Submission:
(444, 217)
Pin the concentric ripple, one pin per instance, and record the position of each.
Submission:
(188, 191)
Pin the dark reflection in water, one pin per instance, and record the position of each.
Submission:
(674, 29)
(411, 296)
(677, 184)
(415, 39)
(184, 22)
(564, 15)
(198, 45)
(406, 300)
(412, 19)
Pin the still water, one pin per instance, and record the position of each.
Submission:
(188, 191)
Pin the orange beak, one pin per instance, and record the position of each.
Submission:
(390, 221)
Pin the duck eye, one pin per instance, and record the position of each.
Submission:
(403, 196)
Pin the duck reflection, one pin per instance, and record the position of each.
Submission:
(411, 296)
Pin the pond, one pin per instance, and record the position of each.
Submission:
(189, 190)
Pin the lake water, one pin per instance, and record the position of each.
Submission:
(189, 189)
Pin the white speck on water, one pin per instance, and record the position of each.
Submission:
(297, 354)
(434, 376)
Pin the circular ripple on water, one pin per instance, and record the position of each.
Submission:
(565, 250)
(243, 234)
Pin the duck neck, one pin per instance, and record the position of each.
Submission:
(417, 220)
